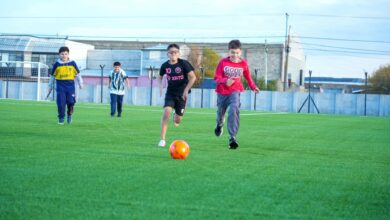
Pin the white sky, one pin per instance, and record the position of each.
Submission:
(356, 21)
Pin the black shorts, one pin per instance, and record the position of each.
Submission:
(176, 102)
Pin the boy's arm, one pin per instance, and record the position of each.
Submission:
(247, 76)
(160, 78)
(79, 79)
(191, 81)
(126, 79)
(51, 80)
(219, 77)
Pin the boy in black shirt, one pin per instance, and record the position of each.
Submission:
(180, 77)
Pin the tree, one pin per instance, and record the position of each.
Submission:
(195, 59)
(380, 80)
(206, 58)
(210, 60)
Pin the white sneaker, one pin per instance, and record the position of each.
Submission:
(161, 143)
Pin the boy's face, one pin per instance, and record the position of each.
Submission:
(117, 68)
(235, 54)
(173, 54)
(64, 56)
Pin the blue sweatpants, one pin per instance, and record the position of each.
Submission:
(116, 102)
(231, 101)
(65, 97)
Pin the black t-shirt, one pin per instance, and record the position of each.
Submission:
(177, 76)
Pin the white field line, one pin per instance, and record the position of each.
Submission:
(106, 106)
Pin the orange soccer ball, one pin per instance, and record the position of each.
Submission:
(179, 149)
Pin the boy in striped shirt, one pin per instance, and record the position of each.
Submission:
(117, 84)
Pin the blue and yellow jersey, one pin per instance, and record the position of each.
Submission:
(65, 71)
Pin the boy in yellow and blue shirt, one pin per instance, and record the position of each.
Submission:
(64, 72)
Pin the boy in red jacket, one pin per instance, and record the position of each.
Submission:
(228, 79)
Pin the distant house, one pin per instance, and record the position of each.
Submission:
(335, 85)
(19, 51)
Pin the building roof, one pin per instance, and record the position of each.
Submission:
(28, 43)
(158, 47)
(23, 43)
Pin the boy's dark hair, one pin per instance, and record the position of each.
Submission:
(234, 44)
(174, 46)
(63, 49)
(117, 63)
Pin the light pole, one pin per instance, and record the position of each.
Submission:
(266, 64)
(287, 50)
(365, 95)
(101, 83)
(201, 98)
(6, 85)
(151, 84)
(254, 107)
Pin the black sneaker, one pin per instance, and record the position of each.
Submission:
(233, 143)
(218, 131)
(119, 115)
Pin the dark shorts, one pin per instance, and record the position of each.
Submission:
(176, 102)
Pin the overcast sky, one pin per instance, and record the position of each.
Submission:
(340, 38)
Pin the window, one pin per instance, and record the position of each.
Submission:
(35, 58)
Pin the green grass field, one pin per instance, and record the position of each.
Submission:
(287, 166)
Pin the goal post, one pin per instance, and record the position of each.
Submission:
(24, 80)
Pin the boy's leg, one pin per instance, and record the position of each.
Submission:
(119, 104)
(180, 106)
(168, 105)
(70, 101)
(164, 124)
(234, 118)
(61, 102)
(221, 104)
(113, 103)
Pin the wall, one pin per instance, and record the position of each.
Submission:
(344, 104)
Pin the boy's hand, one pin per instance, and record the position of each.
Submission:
(185, 94)
(256, 90)
(229, 82)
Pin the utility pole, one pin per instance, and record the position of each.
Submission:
(286, 61)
